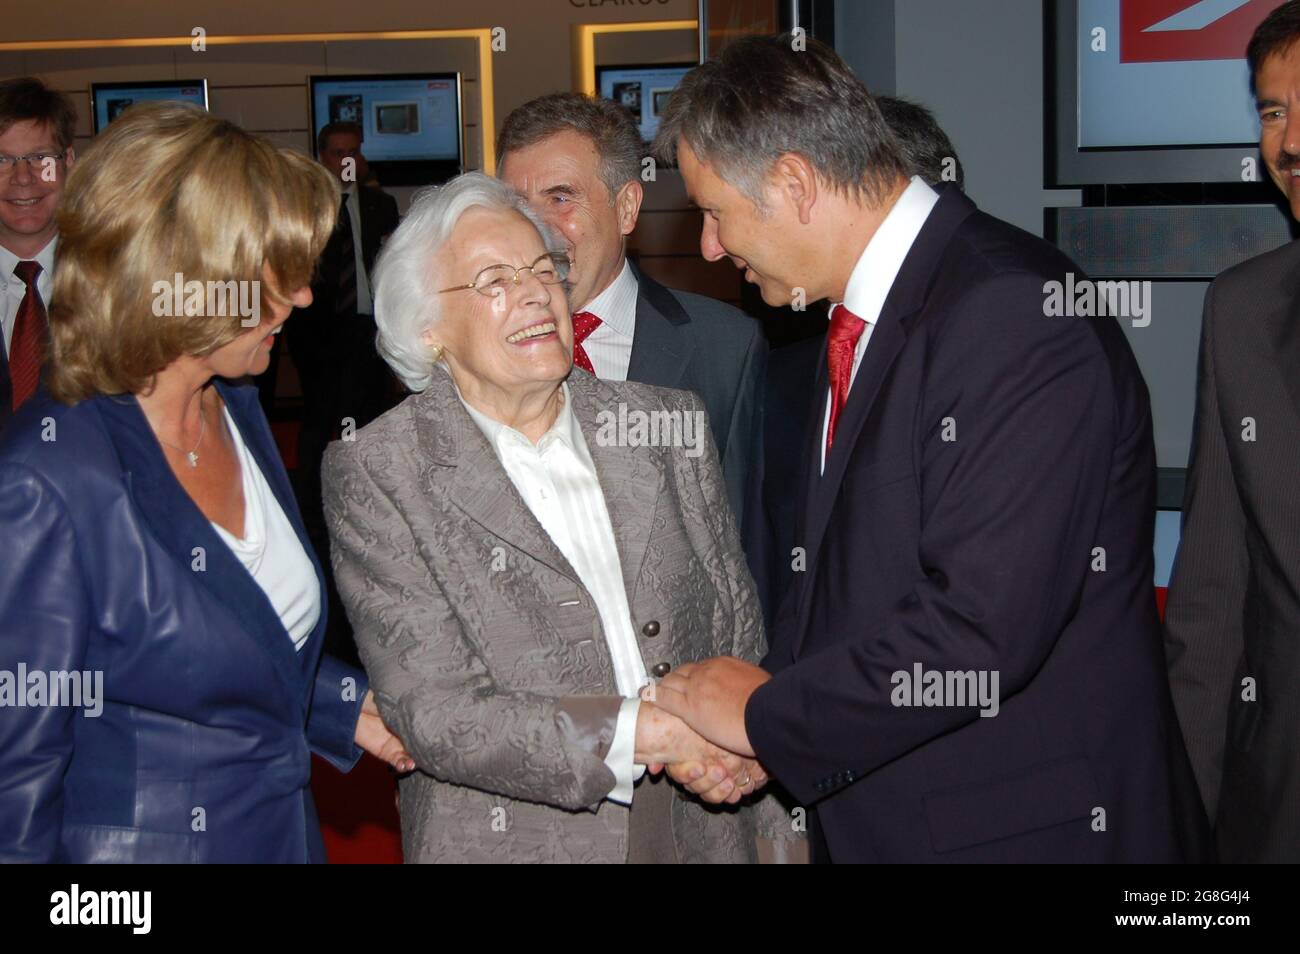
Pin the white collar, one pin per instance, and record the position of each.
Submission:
(616, 305)
(45, 257)
(564, 429)
(877, 268)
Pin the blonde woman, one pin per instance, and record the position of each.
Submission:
(154, 558)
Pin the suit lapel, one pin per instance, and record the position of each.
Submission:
(659, 355)
(6, 387)
(906, 297)
(1283, 322)
(180, 527)
(887, 340)
(630, 477)
(368, 203)
(479, 486)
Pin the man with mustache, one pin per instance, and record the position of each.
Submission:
(36, 130)
(1232, 618)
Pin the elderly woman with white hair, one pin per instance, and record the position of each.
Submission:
(516, 566)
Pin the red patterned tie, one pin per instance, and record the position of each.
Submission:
(846, 328)
(584, 323)
(28, 341)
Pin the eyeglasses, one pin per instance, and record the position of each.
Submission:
(549, 269)
(10, 163)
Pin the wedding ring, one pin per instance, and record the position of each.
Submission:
(745, 781)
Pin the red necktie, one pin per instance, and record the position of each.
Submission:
(28, 340)
(846, 328)
(584, 323)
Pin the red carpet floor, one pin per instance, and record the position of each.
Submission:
(358, 814)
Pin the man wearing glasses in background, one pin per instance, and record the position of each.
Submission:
(36, 129)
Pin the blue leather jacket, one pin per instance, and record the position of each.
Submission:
(200, 750)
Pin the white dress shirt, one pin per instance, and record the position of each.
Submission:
(271, 551)
(12, 288)
(609, 346)
(873, 276)
(557, 480)
(365, 304)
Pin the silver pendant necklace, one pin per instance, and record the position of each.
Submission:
(191, 456)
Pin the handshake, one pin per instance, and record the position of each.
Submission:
(692, 726)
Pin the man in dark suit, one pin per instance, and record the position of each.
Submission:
(789, 407)
(969, 667)
(1232, 620)
(332, 341)
(578, 161)
(345, 384)
(36, 129)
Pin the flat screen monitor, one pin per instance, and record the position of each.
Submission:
(1151, 91)
(410, 122)
(643, 90)
(109, 99)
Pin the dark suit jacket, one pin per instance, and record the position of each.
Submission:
(791, 407)
(206, 705)
(1233, 611)
(6, 387)
(308, 329)
(689, 341)
(973, 551)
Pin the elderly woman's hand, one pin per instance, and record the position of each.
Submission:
(373, 736)
(721, 781)
(706, 770)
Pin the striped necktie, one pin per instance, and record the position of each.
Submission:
(345, 299)
(27, 344)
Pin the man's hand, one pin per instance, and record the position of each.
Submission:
(710, 697)
(373, 736)
(712, 773)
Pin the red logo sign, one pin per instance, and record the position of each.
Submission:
(1162, 31)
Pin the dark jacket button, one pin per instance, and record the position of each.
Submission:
(661, 669)
(651, 628)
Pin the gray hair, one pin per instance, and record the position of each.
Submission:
(407, 303)
(761, 98)
(924, 145)
(609, 126)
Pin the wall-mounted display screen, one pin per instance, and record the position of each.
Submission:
(643, 90)
(108, 100)
(1151, 91)
(410, 122)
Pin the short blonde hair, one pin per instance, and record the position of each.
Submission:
(165, 189)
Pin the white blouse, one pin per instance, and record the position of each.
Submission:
(271, 551)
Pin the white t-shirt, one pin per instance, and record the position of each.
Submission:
(271, 551)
